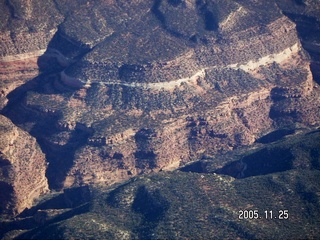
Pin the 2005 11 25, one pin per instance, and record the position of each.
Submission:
(265, 214)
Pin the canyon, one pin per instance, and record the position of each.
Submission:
(23, 168)
(99, 92)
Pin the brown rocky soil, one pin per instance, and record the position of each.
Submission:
(22, 169)
(139, 87)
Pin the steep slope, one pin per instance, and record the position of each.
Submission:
(98, 92)
(25, 31)
(22, 169)
(145, 86)
(280, 184)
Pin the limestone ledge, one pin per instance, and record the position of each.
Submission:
(272, 44)
(23, 44)
(16, 70)
(177, 142)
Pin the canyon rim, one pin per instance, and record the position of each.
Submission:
(95, 93)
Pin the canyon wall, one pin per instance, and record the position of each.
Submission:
(133, 88)
(22, 169)
(25, 31)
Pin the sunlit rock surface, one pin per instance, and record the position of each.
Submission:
(151, 85)
(22, 169)
(26, 27)
(114, 89)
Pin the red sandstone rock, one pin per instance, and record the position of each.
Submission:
(22, 169)
(134, 93)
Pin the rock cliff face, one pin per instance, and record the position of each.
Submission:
(22, 169)
(25, 31)
(131, 88)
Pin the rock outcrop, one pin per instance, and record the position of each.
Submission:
(94, 93)
(26, 29)
(131, 88)
(22, 169)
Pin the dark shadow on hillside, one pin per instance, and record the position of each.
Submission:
(49, 228)
(208, 17)
(315, 158)
(196, 167)
(59, 55)
(6, 194)
(263, 162)
(70, 198)
(153, 207)
(74, 201)
(60, 158)
(275, 135)
(308, 30)
(16, 97)
(162, 19)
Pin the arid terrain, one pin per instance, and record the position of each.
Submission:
(147, 109)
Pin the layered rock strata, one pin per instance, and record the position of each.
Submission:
(22, 169)
(25, 31)
(158, 84)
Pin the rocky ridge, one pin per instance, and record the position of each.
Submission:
(140, 88)
(26, 29)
